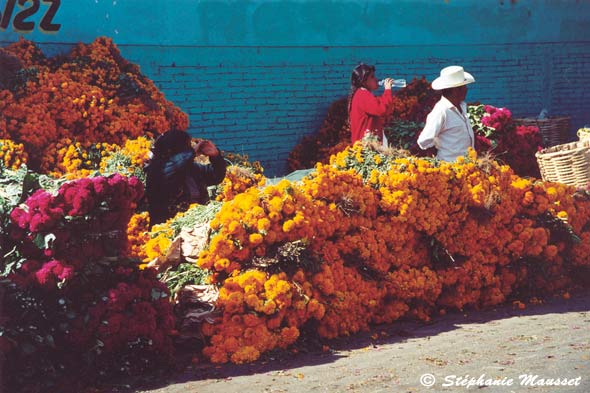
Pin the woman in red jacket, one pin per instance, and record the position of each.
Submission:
(366, 112)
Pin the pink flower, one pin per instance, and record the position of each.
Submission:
(40, 214)
(20, 217)
(78, 196)
(137, 186)
(497, 118)
(66, 273)
(53, 271)
(101, 185)
(45, 275)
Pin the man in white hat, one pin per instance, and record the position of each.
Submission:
(447, 125)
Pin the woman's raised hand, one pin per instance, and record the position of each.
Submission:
(207, 148)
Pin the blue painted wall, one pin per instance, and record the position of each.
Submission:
(255, 76)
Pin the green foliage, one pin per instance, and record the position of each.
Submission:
(402, 133)
(15, 187)
(198, 214)
(185, 273)
(119, 162)
(475, 114)
(372, 157)
(21, 78)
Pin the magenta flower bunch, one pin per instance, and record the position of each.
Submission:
(86, 219)
(87, 196)
(78, 310)
(522, 143)
(496, 118)
(513, 144)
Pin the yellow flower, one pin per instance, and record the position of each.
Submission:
(255, 238)
(288, 226)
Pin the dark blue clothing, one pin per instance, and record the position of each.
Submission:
(173, 184)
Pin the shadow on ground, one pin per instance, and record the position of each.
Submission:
(309, 351)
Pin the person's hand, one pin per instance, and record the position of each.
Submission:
(388, 83)
(207, 148)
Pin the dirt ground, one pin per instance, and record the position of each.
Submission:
(504, 349)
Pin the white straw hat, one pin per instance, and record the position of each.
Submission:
(452, 76)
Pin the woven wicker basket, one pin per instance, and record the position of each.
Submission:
(555, 130)
(567, 163)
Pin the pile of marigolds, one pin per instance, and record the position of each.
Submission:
(91, 95)
(374, 238)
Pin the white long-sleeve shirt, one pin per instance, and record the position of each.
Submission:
(447, 129)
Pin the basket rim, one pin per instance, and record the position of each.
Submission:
(570, 147)
(534, 119)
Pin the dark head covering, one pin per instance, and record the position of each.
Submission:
(170, 143)
(360, 74)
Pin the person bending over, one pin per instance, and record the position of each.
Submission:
(174, 180)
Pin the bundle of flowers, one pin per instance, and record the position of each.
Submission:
(12, 155)
(16, 185)
(172, 246)
(490, 122)
(161, 235)
(91, 95)
(159, 247)
(128, 159)
(374, 237)
(138, 235)
(77, 310)
(411, 105)
(241, 174)
(92, 208)
(516, 145)
(77, 160)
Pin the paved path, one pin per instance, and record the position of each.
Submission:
(518, 349)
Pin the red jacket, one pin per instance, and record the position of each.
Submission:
(367, 113)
